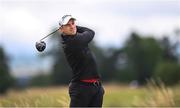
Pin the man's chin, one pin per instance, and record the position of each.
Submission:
(73, 33)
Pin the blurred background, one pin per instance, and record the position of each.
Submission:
(136, 44)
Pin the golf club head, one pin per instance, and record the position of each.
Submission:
(40, 46)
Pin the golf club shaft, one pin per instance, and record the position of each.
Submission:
(49, 34)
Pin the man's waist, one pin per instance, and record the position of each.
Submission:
(92, 80)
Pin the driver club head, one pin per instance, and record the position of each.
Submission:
(40, 46)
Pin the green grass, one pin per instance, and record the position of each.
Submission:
(115, 95)
(121, 95)
(36, 97)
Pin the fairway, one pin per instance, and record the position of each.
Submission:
(115, 96)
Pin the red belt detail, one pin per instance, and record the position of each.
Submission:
(90, 80)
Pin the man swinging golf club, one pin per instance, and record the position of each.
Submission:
(85, 88)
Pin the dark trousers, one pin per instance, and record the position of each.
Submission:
(84, 94)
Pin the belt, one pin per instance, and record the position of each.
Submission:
(95, 82)
(90, 80)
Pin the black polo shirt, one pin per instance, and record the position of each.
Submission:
(78, 54)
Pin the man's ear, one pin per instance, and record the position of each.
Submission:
(61, 29)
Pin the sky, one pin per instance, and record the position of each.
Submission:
(23, 22)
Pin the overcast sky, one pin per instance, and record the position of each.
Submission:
(23, 22)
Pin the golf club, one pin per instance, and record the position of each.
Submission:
(49, 34)
(41, 45)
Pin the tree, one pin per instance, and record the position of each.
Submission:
(108, 66)
(169, 50)
(143, 55)
(168, 69)
(168, 72)
(6, 79)
(40, 80)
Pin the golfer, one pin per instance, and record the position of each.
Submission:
(85, 88)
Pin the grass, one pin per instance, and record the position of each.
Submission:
(157, 96)
(121, 95)
(115, 96)
(36, 97)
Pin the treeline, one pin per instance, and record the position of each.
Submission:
(141, 58)
(6, 80)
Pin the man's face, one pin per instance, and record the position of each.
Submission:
(69, 28)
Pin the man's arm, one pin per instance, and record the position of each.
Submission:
(84, 35)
